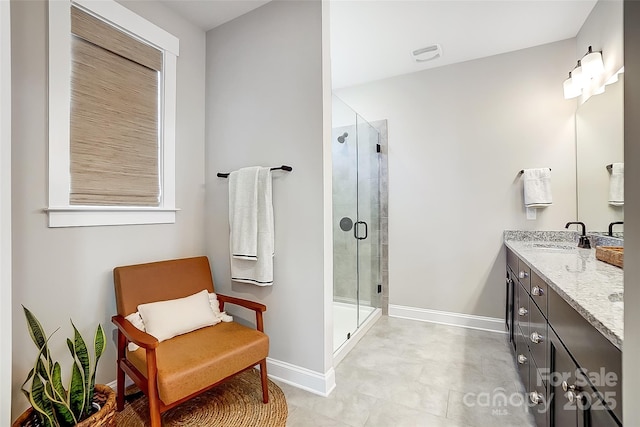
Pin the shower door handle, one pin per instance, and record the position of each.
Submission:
(355, 230)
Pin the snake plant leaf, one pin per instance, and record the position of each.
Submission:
(41, 403)
(29, 376)
(64, 416)
(56, 380)
(61, 410)
(83, 356)
(99, 345)
(71, 349)
(41, 370)
(35, 329)
(76, 391)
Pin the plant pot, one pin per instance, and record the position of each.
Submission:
(104, 396)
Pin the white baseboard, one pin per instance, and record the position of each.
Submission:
(490, 324)
(303, 378)
(342, 351)
(296, 376)
(113, 384)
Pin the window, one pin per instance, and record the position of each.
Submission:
(112, 86)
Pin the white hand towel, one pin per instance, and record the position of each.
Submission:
(243, 213)
(537, 188)
(616, 185)
(258, 270)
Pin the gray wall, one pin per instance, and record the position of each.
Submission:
(458, 136)
(66, 273)
(265, 107)
(631, 347)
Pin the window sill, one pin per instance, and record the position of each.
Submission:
(88, 216)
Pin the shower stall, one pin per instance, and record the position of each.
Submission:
(356, 224)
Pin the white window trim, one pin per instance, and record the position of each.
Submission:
(61, 213)
(5, 213)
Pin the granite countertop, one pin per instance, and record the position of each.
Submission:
(592, 287)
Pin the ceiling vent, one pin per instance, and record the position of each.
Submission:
(428, 53)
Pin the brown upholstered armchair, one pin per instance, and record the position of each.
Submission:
(173, 371)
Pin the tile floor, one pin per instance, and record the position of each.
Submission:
(410, 373)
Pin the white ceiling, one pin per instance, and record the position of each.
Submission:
(373, 39)
(208, 14)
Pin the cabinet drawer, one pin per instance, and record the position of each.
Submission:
(512, 261)
(596, 355)
(522, 309)
(524, 274)
(538, 332)
(539, 292)
(522, 359)
(537, 393)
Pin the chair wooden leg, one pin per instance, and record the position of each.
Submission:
(152, 390)
(122, 342)
(263, 380)
(120, 389)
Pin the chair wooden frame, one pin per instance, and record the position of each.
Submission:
(129, 333)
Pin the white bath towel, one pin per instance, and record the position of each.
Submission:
(251, 265)
(616, 185)
(243, 213)
(537, 188)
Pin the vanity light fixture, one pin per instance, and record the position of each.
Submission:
(592, 64)
(589, 67)
(571, 90)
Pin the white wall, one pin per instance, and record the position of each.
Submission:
(5, 213)
(265, 107)
(631, 345)
(67, 273)
(458, 135)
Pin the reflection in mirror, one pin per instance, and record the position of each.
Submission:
(599, 142)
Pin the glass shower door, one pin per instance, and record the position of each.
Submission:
(356, 245)
(345, 245)
(368, 230)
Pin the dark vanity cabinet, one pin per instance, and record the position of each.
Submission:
(570, 372)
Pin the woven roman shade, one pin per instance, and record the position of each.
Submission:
(114, 148)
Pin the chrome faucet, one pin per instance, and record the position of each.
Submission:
(584, 240)
(611, 227)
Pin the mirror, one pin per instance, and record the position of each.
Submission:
(599, 142)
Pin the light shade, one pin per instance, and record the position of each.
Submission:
(571, 90)
(579, 78)
(592, 64)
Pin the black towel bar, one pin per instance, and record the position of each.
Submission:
(283, 168)
(522, 171)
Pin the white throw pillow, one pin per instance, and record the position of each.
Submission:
(215, 307)
(166, 319)
(136, 321)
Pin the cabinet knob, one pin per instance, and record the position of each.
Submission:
(523, 275)
(537, 291)
(571, 396)
(522, 311)
(571, 392)
(535, 337)
(522, 359)
(535, 398)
